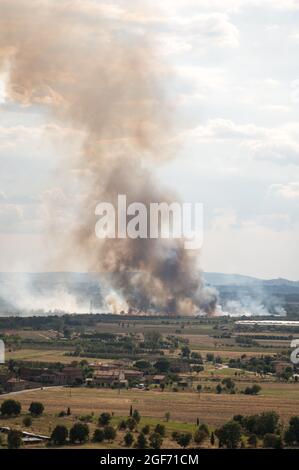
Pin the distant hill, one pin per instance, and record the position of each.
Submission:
(221, 279)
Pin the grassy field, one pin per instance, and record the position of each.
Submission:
(41, 335)
(184, 407)
(41, 355)
(58, 355)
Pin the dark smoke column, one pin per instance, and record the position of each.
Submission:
(101, 76)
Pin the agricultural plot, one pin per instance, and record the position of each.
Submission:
(184, 407)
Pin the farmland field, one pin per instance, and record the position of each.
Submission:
(183, 407)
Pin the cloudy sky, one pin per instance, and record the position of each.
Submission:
(234, 85)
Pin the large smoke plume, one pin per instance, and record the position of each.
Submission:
(93, 68)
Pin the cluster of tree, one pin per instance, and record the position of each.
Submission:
(246, 341)
(264, 427)
(228, 386)
(286, 374)
(146, 438)
(261, 365)
(163, 366)
(259, 424)
(79, 433)
(269, 337)
(13, 408)
(111, 345)
(201, 434)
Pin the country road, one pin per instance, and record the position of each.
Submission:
(29, 390)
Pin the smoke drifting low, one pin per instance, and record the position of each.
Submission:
(98, 73)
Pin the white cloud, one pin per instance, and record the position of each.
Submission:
(199, 33)
(210, 29)
(226, 129)
(200, 80)
(287, 191)
(233, 5)
(282, 151)
(223, 219)
(295, 91)
(278, 144)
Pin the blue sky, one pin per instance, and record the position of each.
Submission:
(233, 83)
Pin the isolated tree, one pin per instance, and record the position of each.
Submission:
(122, 425)
(10, 408)
(273, 441)
(14, 439)
(27, 421)
(162, 365)
(204, 428)
(212, 439)
(252, 440)
(229, 434)
(98, 435)
(104, 419)
(131, 423)
(143, 365)
(186, 351)
(67, 332)
(196, 357)
(136, 416)
(128, 439)
(199, 436)
(254, 390)
(68, 411)
(131, 410)
(184, 439)
(59, 435)
(153, 339)
(141, 442)
(218, 389)
(198, 368)
(167, 416)
(156, 440)
(109, 433)
(36, 408)
(146, 429)
(228, 383)
(268, 423)
(291, 436)
(79, 433)
(160, 429)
